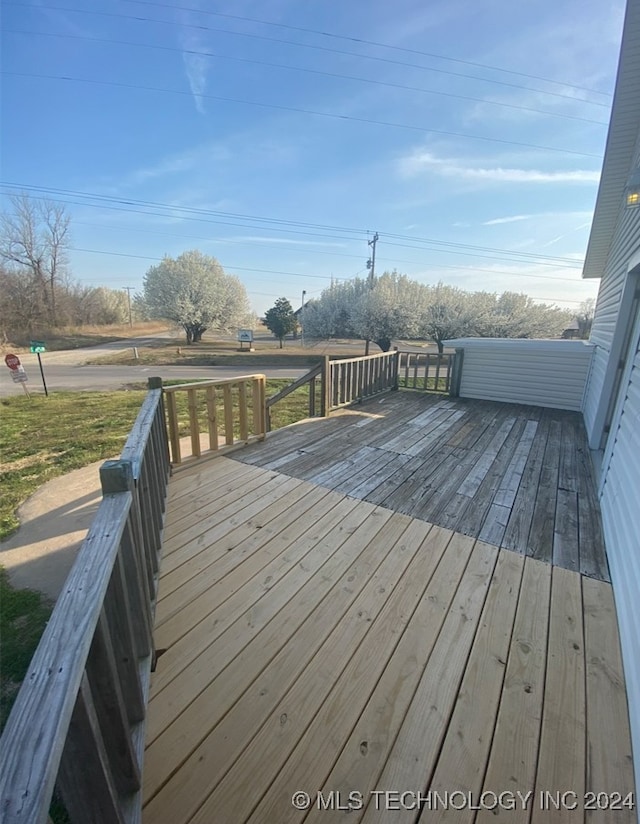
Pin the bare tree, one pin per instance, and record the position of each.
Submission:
(586, 311)
(34, 238)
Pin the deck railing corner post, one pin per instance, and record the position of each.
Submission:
(116, 476)
(154, 383)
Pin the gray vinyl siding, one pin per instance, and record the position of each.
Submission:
(594, 387)
(620, 504)
(625, 243)
(537, 373)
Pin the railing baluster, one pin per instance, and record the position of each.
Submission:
(174, 435)
(312, 397)
(212, 418)
(228, 414)
(243, 412)
(256, 407)
(85, 755)
(117, 608)
(110, 708)
(194, 427)
(137, 583)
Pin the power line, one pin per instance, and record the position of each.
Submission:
(394, 261)
(228, 265)
(107, 200)
(308, 71)
(332, 277)
(297, 110)
(174, 23)
(372, 43)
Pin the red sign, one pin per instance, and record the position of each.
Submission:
(12, 361)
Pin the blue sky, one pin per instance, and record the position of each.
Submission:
(274, 135)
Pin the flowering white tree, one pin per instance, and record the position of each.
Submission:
(515, 315)
(448, 314)
(395, 306)
(390, 308)
(194, 292)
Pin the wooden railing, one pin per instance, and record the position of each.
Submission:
(311, 379)
(337, 383)
(427, 371)
(78, 720)
(354, 379)
(214, 415)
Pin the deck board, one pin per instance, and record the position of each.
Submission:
(314, 640)
(515, 476)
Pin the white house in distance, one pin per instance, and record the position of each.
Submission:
(611, 405)
(600, 378)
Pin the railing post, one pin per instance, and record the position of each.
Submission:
(456, 373)
(395, 369)
(117, 476)
(325, 406)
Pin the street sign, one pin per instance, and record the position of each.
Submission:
(12, 361)
(19, 375)
(37, 346)
(245, 335)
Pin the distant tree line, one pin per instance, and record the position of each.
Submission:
(195, 293)
(395, 306)
(37, 293)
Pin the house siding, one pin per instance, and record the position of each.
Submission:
(626, 242)
(620, 505)
(534, 372)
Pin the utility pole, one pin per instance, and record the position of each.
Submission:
(128, 290)
(371, 266)
(302, 318)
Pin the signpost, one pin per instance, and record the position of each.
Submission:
(37, 346)
(245, 336)
(18, 375)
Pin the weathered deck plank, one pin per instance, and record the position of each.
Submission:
(515, 476)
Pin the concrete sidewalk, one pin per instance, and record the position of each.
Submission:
(53, 524)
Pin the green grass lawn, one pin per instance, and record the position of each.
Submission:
(42, 438)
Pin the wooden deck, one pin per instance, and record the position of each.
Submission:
(310, 641)
(518, 477)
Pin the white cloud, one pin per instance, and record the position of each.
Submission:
(513, 219)
(421, 161)
(280, 240)
(196, 65)
(497, 221)
(196, 69)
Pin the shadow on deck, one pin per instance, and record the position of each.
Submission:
(344, 640)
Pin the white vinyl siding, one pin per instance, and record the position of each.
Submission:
(534, 372)
(594, 387)
(620, 505)
(625, 244)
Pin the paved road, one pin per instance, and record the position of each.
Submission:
(96, 378)
(66, 370)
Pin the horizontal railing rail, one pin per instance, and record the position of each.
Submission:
(78, 719)
(310, 379)
(215, 415)
(426, 371)
(354, 379)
